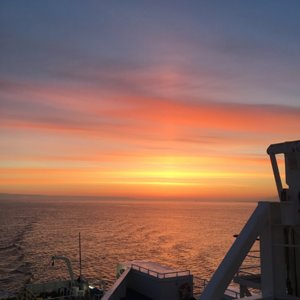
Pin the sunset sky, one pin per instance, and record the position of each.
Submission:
(148, 99)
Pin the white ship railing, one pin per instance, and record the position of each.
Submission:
(160, 275)
(200, 284)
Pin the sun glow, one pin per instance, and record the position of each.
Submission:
(140, 176)
(157, 106)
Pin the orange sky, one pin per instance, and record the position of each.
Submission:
(140, 147)
(183, 110)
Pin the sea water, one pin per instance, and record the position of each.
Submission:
(182, 234)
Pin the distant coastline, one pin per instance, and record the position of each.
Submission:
(7, 197)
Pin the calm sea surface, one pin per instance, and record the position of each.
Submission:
(183, 235)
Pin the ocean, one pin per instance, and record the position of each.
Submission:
(181, 234)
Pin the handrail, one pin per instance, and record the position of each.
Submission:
(234, 293)
(198, 288)
(253, 264)
(249, 267)
(199, 285)
(158, 274)
(241, 273)
(237, 253)
(60, 297)
(253, 256)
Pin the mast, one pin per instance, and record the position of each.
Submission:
(80, 267)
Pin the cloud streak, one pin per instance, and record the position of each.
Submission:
(47, 108)
(132, 99)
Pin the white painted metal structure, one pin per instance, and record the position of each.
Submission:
(68, 264)
(278, 226)
(151, 281)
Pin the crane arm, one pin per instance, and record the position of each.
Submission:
(68, 263)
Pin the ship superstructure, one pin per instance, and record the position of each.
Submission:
(277, 226)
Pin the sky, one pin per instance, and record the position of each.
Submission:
(146, 99)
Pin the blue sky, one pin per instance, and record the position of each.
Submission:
(239, 44)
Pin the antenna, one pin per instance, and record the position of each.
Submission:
(80, 256)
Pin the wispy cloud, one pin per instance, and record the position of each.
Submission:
(184, 97)
(68, 109)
